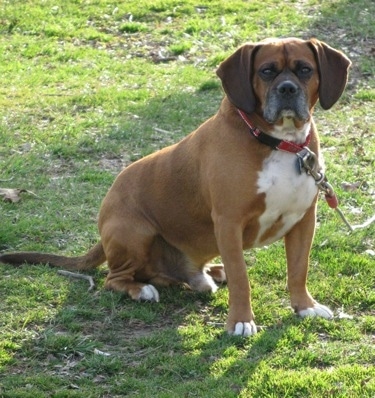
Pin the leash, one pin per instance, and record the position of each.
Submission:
(307, 161)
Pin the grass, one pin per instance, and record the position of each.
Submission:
(87, 88)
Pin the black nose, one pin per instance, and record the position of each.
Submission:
(287, 89)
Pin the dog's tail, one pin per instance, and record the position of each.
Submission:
(92, 259)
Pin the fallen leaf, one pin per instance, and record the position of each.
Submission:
(350, 187)
(12, 194)
(343, 315)
(98, 352)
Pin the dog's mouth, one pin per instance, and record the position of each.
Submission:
(288, 113)
(279, 108)
(288, 124)
(297, 115)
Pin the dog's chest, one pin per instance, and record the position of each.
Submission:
(288, 195)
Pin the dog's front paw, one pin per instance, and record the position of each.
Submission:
(317, 310)
(244, 329)
(148, 293)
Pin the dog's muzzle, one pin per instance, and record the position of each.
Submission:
(286, 99)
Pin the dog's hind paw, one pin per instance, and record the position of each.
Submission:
(244, 329)
(149, 293)
(202, 282)
(217, 272)
(317, 310)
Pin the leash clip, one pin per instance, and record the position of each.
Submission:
(308, 161)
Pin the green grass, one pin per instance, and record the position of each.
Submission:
(87, 88)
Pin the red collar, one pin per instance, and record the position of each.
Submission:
(274, 143)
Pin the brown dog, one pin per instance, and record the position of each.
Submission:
(232, 184)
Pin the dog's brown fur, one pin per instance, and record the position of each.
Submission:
(167, 215)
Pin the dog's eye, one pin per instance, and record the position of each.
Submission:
(305, 70)
(268, 72)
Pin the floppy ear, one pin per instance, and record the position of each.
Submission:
(333, 68)
(235, 74)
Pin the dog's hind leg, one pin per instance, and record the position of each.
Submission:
(128, 254)
(141, 259)
(123, 279)
(174, 266)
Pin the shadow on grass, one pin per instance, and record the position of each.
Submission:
(110, 320)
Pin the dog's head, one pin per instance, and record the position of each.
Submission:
(279, 78)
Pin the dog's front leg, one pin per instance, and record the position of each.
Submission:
(229, 239)
(297, 245)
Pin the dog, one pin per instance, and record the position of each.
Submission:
(232, 184)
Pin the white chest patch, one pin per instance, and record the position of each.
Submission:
(288, 195)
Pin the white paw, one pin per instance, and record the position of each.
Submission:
(317, 310)
(216, 271)
(244, 329)
(149, 293)
(222, 278)
(202, 282)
